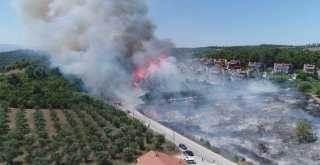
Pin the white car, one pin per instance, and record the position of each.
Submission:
(190, 160)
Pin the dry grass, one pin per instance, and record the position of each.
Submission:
(17, 71)
(170, 149)
(315, 49)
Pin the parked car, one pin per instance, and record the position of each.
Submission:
(188, 153)
(182, 146)
(190, 160)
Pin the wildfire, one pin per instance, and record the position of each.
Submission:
(141, 73)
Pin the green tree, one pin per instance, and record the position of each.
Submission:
(158, 140)
(113, 150)
(84, 153)
(148, 136)
(73, 159)
(29, 139)
(128, 154)
(40, 161)
(8, 154)
(102, 157)
(56, 157)
(140, 141)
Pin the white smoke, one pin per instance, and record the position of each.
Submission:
(101, 41)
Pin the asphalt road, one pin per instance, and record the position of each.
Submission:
(177, 138)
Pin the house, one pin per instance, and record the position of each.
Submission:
(282, 68)
(220, 62)
(239, 75)
(254, 66)
(234, 64)
(308, 68)
(158, 158)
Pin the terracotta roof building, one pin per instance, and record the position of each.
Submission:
(234, 64)
(308, 68)
(158, 158)
(254, 66)
(282, 68)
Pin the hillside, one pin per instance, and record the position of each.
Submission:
(8, 47)
(10, 57)
(46, 119)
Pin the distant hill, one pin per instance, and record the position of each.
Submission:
(18, 55)
(8, 47)
(185, 53)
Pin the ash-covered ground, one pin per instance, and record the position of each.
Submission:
(241, 116)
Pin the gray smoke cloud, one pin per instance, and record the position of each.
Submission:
(101, 41)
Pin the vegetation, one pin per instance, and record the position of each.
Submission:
(303, 132)
(11, 57)
(64, 125)
(38, 85)
(307, 82)
(268, 54)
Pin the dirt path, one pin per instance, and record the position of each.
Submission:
(30, 119)
(62, 119)
(49, 124)
(12, 118)
(314, 97)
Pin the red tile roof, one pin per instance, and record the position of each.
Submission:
(158, 158)
(281, 65)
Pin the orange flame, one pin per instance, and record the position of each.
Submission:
(141, 72)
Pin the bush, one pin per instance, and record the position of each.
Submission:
(127, 154)
(73, 159)
(303, 132)
(102, 157)
(305, 87)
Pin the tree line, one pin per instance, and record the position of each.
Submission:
(268, 55)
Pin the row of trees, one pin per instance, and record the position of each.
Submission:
(3, 122)
(107, 142)
(11, 143)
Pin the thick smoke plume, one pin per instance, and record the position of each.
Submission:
(101, 41)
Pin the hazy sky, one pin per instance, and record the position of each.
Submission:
(192, 23)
